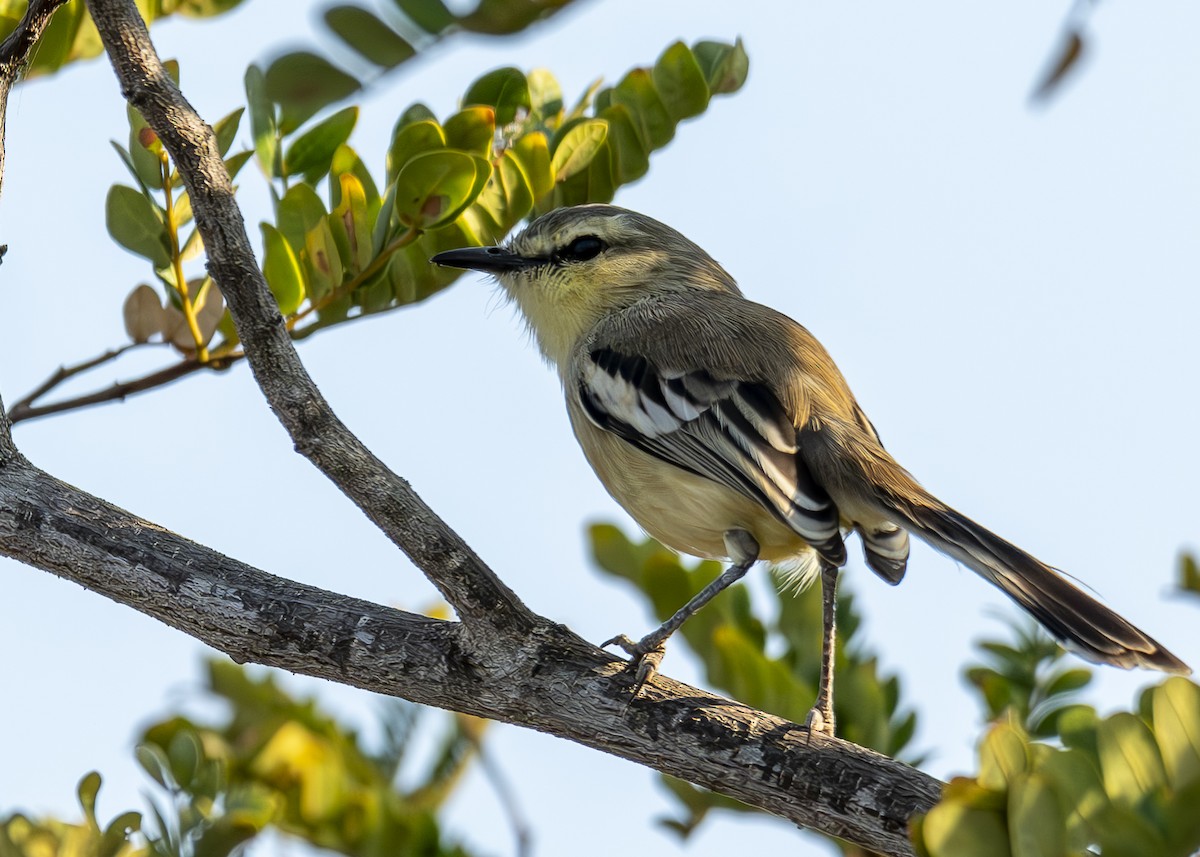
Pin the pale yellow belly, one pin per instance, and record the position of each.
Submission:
(685, 512)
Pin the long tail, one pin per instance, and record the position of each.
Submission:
(1081, 623)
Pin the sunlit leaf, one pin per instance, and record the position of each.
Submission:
(282, 270)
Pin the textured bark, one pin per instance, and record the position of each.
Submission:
(543, 677)
(500, 660)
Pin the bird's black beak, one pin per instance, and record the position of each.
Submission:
(491, 260)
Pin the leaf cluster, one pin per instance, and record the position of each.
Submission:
(1127, 784)
(276, 763)
(346, 242)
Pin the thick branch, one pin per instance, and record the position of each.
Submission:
(479, 597)
(547, 679)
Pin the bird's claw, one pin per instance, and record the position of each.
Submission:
(819, 722)
(644, 657)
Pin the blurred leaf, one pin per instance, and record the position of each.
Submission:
(725, 67)
(1067, 59)
(1176, 712)
(263, 122)
(1129, 757)
(505, 89)
(472, 130)
(680, 82)
(1189, 574)
(432, 16)
(302, 83)
(368, 35)
(143, 313)
(311, 154)
(226, 130)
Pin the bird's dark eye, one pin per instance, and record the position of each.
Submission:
(581, 249)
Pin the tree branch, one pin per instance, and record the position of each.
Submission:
(479, 597)
(502, 661)
(548, 679)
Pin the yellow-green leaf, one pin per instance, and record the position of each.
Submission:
(577, 147)
(282, 270)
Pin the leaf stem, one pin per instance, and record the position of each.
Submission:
(181, 286)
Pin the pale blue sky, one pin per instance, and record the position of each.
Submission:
(1010, 291)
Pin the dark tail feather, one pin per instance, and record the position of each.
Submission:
(1080, 622)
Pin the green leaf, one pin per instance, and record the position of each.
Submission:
(346, 160)
(368, 35)
(533, 153)
(154, 762)
(146, 162)
(1129, 758)
(637, 93)
(576, 148)
(301, 83)
(1176, 711)
(262, 122)
(412, 139)
(282, 270)
(1068, 681)
(432, 16)
(322, 261)
(1036, 821)
(545, 95)
(433, 188)
(298, 213)
(352, 216)
(954, 828)
(185, 753)
(680, 82)
(632, 158)
(226, 130)
(505, 89)
(137, 224)
(312, 152)
(472, 130)
(234, 163)
(88, 788)
(725, 67)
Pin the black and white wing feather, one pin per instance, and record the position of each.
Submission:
(736, 433)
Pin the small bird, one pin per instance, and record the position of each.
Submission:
(727, 432)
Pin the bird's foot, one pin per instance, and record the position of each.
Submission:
(820, 720)
(644, 656)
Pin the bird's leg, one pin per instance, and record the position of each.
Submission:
(647, 653)
(820, 719)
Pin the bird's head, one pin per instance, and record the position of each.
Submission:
(572, 267)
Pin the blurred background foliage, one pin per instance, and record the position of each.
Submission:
(274, 764)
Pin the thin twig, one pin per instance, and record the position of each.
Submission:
(63, 373)
(25, 410)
